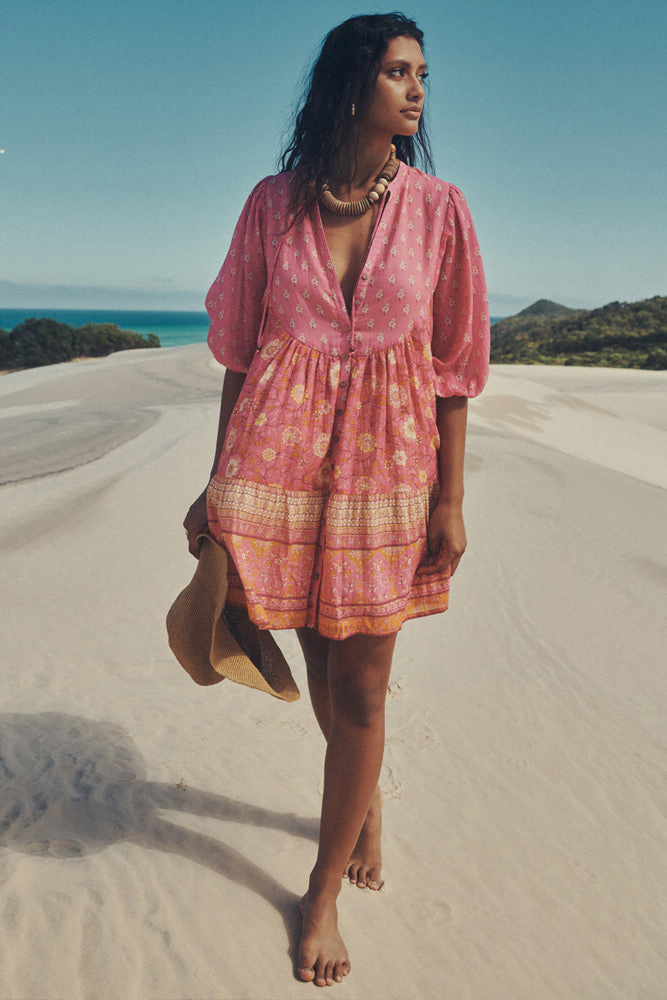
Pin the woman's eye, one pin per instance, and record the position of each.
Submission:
(400, 71)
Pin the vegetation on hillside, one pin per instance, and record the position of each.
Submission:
(46, 342)
(618, 335)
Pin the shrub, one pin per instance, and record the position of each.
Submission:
(46, 342)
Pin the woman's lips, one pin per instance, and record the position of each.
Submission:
(414, 113)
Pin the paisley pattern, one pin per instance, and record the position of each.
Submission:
(329, 467)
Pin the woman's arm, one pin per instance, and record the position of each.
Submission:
(446, 531)
(196, 519)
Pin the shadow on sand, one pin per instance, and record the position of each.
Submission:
(71, 786)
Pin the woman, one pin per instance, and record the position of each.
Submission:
(351, 316)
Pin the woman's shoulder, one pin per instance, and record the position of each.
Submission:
(428, 184)
(435, 196)
(274, 189)
(268, 206)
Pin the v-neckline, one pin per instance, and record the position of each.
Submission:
(330, 267)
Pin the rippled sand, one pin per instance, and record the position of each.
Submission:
(155, 837)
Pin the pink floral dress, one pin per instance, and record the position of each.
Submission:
(329, 468)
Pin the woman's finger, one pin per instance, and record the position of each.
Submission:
(193, 545)
(444, 557)
(453, 565)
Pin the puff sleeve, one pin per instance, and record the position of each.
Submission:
(461, 337)
(235, 300)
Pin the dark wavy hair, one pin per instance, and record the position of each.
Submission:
(345, 72)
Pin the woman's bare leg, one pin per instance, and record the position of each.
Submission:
(364, 866)
(315, 650)
(358, 674)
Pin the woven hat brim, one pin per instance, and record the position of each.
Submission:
(198, 627)
(251, 656)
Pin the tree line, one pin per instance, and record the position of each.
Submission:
(618, 335)
(44, 341)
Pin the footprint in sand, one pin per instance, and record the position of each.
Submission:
(57, 848)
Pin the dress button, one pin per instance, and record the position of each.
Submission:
(348, 329)
(316, 575)
(343, 385)
(357, 302)
(339, 413)
(365, 277)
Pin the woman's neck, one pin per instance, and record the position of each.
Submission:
(358, 167)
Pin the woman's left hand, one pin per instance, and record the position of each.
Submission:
(195, 522)
(446, 539)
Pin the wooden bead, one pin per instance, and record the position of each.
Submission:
(357, 208)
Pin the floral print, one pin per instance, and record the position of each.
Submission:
(329, 470)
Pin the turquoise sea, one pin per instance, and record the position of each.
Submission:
(173, 328)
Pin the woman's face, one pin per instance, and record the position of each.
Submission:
(398, 98)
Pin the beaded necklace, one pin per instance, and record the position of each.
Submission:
(357, 208)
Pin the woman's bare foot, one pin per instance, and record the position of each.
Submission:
(364, 869)
(322, 958)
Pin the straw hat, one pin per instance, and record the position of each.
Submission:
(212, 641)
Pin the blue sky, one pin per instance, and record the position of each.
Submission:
(134, 130)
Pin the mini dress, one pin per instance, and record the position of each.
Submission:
(329, 468)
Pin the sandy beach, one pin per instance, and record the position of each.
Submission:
(155, 837)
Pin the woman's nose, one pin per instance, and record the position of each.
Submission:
(416, 88)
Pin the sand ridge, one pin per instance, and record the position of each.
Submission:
(155, 836)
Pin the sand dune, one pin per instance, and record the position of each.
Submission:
(155, 836)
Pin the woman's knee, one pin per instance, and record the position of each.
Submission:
(359, 670)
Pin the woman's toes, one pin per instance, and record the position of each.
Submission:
(364, 878)
(341, 969)
(373, 880)
(320, 939)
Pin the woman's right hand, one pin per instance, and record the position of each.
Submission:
(196, 521)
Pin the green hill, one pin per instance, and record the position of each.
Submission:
(44, 341)
(618, 335)
(547, 309)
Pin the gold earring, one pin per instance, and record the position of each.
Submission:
(354, 110)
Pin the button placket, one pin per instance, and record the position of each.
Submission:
(341, 395)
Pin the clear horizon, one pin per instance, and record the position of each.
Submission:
(68, 299)
(132, 135)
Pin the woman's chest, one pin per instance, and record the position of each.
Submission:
(369, 289)
(348, 242)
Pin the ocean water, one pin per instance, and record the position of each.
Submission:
(173, 328)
